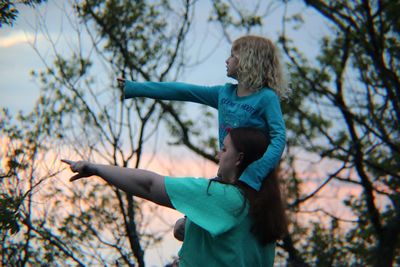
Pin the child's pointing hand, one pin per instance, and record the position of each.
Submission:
(121, 82)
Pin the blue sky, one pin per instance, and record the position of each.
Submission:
(18, 90)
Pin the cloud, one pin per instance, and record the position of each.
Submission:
(16, 38)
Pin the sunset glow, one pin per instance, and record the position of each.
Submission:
(16, 38)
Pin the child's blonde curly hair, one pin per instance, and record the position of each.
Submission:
(260, 64)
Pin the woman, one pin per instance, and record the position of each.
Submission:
(228, 223)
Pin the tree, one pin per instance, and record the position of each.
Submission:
(26, 168)
(9, 12)
(100, 224)
(349, 115)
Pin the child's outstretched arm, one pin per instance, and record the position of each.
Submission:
(256, 172)
(140, 183)
(207, 95)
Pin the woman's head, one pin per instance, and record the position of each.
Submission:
(242, 146)
(251, 142)
(259, 64)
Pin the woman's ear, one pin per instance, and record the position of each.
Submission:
(239, 158)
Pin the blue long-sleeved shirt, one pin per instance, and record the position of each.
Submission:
(259, 110)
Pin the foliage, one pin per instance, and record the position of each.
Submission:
(24, 147)
(351, 111)
(96, 224)
(9, 12)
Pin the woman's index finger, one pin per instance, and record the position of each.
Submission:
(69, 162)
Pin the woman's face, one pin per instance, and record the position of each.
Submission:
(232, 65)
(229, 158)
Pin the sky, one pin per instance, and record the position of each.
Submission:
(19, 91)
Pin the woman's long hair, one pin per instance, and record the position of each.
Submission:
(260, 64)
(266, 207)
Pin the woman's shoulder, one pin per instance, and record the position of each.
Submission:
(191, 186)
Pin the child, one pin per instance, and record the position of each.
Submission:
(252, 102)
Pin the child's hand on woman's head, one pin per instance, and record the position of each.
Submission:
(83, 168)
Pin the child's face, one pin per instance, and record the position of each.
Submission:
(232, 65)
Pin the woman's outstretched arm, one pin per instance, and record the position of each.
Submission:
(140, 183)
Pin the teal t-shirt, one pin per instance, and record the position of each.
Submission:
(259, 110)
(217, 231)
